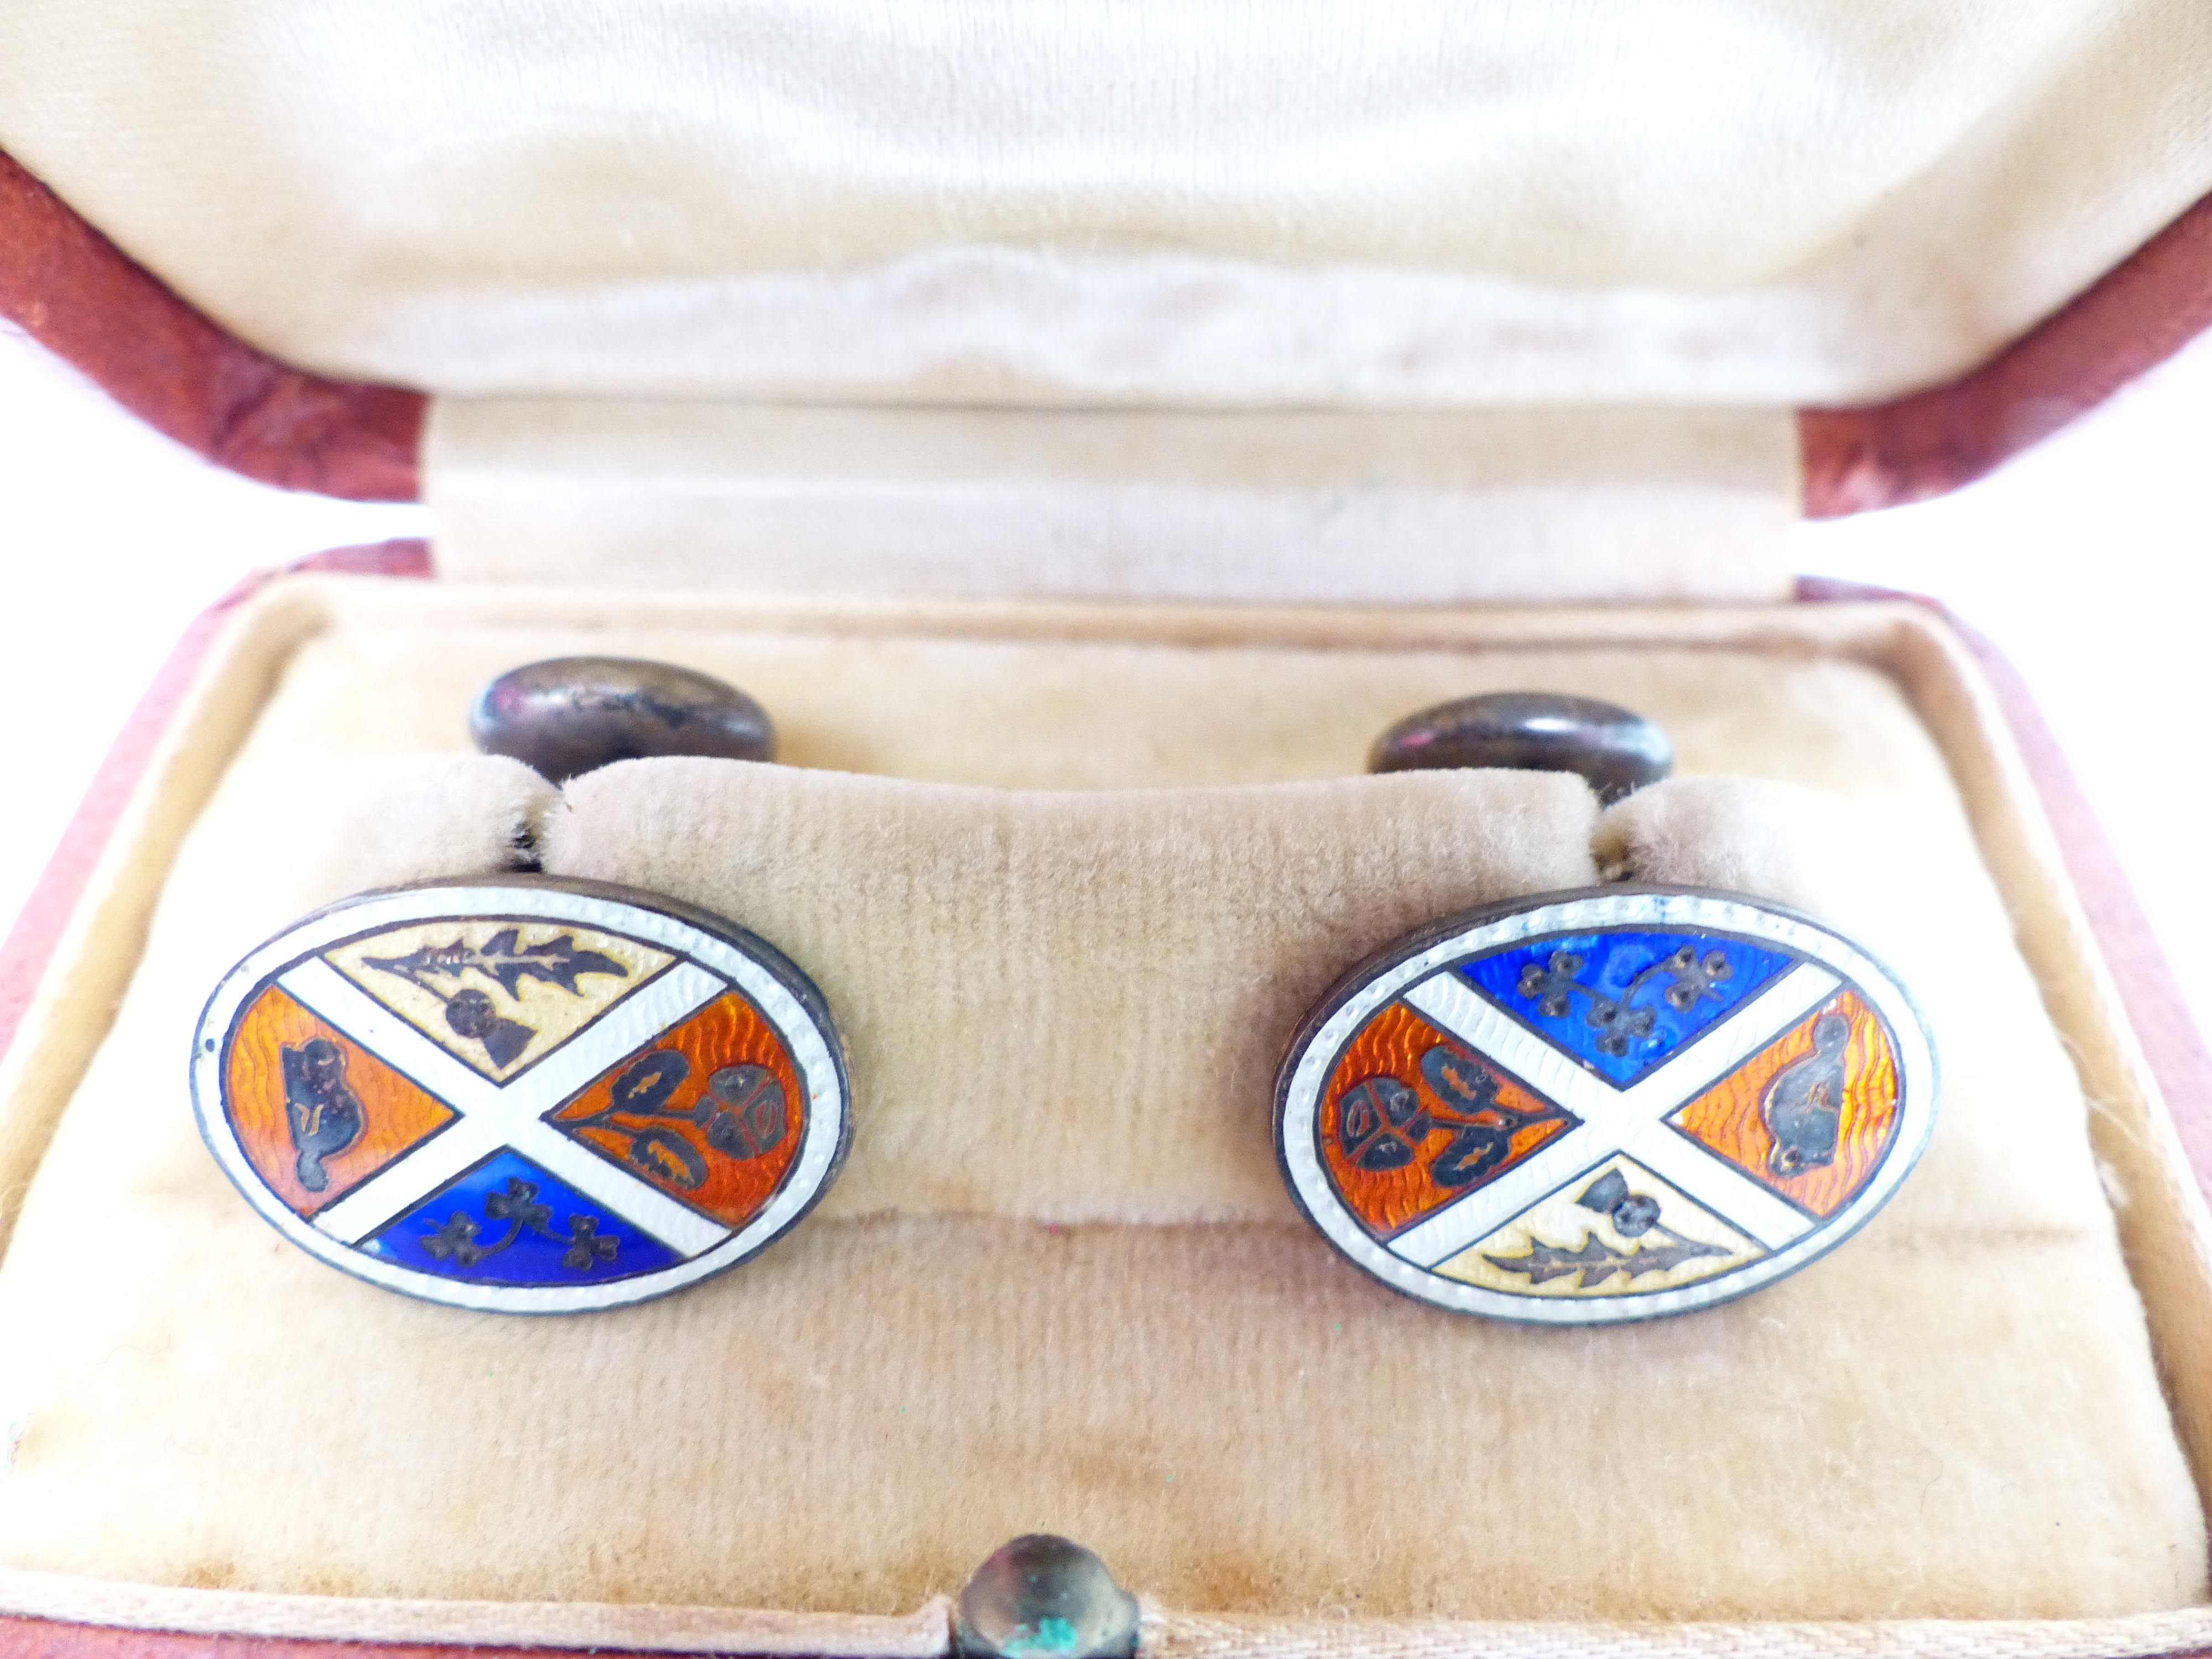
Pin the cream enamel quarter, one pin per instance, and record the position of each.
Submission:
(1604, 1105)
(522, 1095)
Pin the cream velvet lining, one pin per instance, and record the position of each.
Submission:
(1745, 201)
(1502, 506)
(1098, 866)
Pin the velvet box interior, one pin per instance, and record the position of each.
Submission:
(1072, 827)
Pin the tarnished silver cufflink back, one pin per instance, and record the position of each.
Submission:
(1613, 749)
(568, 716)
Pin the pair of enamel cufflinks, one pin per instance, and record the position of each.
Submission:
(525, 1095)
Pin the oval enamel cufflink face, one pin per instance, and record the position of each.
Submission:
(1604, 1105)
(522, 1095)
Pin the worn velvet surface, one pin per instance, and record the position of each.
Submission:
(1057, 1285)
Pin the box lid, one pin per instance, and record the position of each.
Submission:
(1739, 205)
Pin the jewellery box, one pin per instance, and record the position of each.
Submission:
(1086, 428)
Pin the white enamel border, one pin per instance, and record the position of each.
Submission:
(1310, 1064)
(812, 1049)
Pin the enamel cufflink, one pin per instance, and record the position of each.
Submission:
(1604, 1105)
(522, 1095)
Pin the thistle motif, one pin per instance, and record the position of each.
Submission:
(1597, 1260)
(1633, 1215)
(507, 961)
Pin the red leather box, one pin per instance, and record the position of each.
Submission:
(1084, 430)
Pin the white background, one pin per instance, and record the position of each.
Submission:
(2085, 559)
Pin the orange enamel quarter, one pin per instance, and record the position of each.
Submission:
(1730, 1118)
(395, 1114)
(1395, 1049)
(711, 1113)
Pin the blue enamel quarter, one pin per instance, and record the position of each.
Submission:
(520, 1095)
(1604, 1105)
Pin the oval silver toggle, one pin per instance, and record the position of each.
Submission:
(1604, 1105)
(1615, 751)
